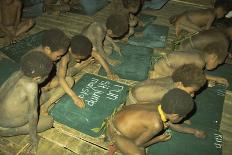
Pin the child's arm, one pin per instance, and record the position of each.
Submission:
(2, 27)
(145, 136)
(32, 91)
(18, 16)
(116, 48)
(80, 66)
(62, 69)
(217, 79)
(104, 64)
(161, 138)
(210, 21)
(197, 133)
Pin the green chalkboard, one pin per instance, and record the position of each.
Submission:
(16, 51)
(7, 67)
(154, 36)
(146, 19)
(135, 62)
(207, 117)
(101, 97)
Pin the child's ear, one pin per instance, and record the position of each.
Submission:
(109, 32)
(47, 50)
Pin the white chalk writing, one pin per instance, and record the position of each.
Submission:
(97, 89)
(218, 139)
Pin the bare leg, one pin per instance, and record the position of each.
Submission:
(45, 123)
(23, 27)
(52, 96)
(126, 146)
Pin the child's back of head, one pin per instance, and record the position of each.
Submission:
(36, 64)
(118, 24)
(177, 101)
(81, 46)
(189, 75)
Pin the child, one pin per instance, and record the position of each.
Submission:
(102, 35)
(132, 7)
(204, 38)
(19, 99)
(189, 78)
(197, 20)
(11, 26)
(55, 45)
(210, 57)
(138, 126)
(221, 37)
(79, 51)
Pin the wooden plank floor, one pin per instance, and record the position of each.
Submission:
(62, 140)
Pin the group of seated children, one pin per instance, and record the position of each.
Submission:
(152, 105)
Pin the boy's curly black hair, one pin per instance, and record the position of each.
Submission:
(36, 64)
(55, 39)
(189, 75)
(81, 46)
(118, 23)
(177, 101)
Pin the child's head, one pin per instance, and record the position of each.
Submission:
(132, 5)
(221, 8)
(177, 104)
(55, 43)
(36, 65)
(117, 25)
(189, 78)
(81, 47)
(213, 56)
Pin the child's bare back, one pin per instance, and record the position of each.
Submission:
(197, 20)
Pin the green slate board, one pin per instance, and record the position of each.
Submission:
(154, 4)
(16, 51)
(154, 36)
(101, 97)
(135, 62)
(207, 117)
(7, 67)
(146, 19)
(88, 7)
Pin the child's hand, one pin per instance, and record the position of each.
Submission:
(199, 134)
(113, 77)
(79, 102)
(165, 137)
(222, 81)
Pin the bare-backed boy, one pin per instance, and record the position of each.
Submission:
(138, 126)
(19, 99)
(221, 37)
(189, 78)
(197, 20)
(55, 45)
(209, 58)
(82, 54)
(102, 35)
